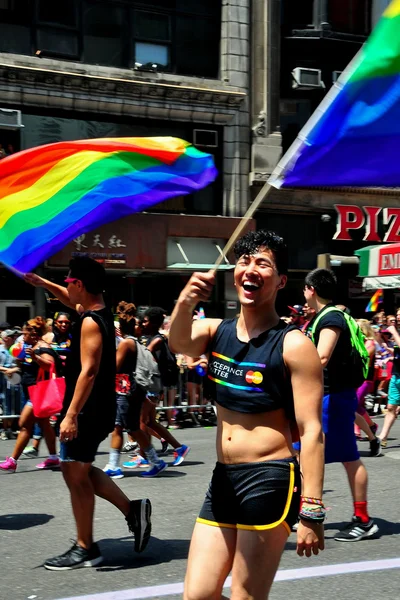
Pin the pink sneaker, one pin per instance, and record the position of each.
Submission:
(49, 463)
(9, 465)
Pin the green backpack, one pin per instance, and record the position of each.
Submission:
(359, 358)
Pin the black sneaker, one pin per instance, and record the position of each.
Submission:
(375, 447)
(164, 447)
(75, 558)
(139, 522)
(357, 530)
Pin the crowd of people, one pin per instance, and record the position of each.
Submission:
(291, 394)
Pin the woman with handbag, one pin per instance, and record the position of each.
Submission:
(37, 355)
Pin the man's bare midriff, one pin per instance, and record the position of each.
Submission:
(246, 438)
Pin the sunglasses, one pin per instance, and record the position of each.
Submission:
(63, 322)
(70, 280)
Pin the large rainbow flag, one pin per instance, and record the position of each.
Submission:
(51, 194)
(353, 139)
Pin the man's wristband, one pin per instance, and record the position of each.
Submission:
(312, 516)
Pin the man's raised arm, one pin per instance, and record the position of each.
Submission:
(58, 291)
(185, 336)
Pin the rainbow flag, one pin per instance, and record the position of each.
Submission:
(375, 301)
(51, 194)
(353, 139)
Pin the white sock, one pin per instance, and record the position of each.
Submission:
(114, 458)
(53, 456)
(152, 456)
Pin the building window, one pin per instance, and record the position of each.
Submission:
(179, 36)
(104, 30)
(57, 28)
(57, 13)
(15, 26)
(152, 34)
(352, 16)
(297, 15)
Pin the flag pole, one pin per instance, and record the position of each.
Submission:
(261, 196)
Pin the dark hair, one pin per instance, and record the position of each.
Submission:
(57, 315)
(156, 315)
(254, 240)
(91, 273)
(323, 281)
(126, 316)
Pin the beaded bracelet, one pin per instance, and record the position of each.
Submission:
(307, 500)
(313, 515)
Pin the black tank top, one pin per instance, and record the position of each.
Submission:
(250, 377)
(99, 409)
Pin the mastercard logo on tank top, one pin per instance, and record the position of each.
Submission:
(231, 373)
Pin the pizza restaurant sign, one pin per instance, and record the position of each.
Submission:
(352, 217)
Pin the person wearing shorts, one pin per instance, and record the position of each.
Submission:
(333, 342)
(260, 387)
(393, 405)
(88, 414)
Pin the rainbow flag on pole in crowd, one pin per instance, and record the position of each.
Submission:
(375, 301)
(51, 194)
(353, 139)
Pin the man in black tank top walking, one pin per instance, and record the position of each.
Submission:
(88, 414)
(332, 338)
(264, 374)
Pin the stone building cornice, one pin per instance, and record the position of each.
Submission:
(116, 92)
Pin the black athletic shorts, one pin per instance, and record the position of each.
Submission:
(82, 448)
(253, 496)
(129, 408)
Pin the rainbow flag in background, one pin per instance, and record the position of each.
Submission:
(51, 194)
(353, 139)
(375, 301)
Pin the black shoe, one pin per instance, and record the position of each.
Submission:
(75, 558)
(164, 447)
(139, 522)
(375, 447)
(357, 530)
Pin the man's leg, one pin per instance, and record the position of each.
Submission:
(256, 561)
(136, 512)
(211, 551)
(390, 417)
(361, 525)
(112, 468)
(49, 435)
(358, 480)
(78, 480)
(105, 488)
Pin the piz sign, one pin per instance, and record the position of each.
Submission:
(352, 217)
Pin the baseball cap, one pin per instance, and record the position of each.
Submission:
(297, 308)
(5, 325)
(8, 333)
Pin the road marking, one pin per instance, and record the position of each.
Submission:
(176, 589)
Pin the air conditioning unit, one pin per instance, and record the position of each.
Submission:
(10, 119)
(207, 138)
(336, 75)
(307, 78)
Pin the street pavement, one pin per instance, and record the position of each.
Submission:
(36, 523)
